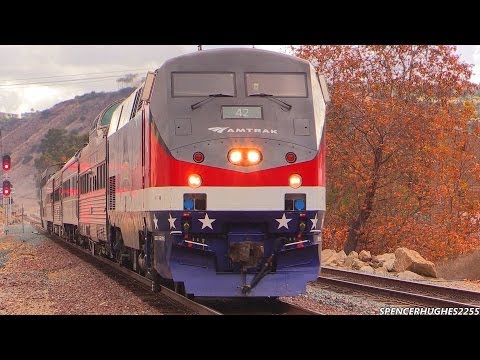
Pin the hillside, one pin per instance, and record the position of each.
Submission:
(22, 137)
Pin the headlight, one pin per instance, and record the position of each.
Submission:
(194, 180)
(235, 156)
(253, 156)
(295, 181)
(244, 157)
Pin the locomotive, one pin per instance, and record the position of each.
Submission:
(210, 176)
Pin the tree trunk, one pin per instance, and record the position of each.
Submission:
(356, 226)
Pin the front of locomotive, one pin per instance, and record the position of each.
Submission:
(237, 172)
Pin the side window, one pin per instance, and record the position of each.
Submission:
(66, 189)
(101, 176)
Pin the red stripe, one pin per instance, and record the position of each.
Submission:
(167, 171)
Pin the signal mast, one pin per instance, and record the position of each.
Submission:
(6, 184)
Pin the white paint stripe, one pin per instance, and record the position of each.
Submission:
(194, 242)
(295, 243)
(219, 198)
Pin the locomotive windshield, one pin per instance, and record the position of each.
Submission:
(277, 84)
(203, 84)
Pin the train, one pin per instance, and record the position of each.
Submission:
(209, 177)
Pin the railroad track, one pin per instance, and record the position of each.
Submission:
(395, 291)
(168, 301)
(256, 306)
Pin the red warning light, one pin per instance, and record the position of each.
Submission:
(6, 162)
(7, 188)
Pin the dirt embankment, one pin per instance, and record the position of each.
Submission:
(461, 267)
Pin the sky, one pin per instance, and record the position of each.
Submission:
(39, 76)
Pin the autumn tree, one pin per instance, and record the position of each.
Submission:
(401, 157)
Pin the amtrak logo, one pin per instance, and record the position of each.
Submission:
(221, 130)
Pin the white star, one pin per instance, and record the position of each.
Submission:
(206, 222)
(314, 222)
(155, 220)
(171, 221)
(283, 221)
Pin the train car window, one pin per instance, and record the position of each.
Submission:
(99, 176)
(66, 189)
(56, 195)
(202, 84)
(277, 84)
(107, 115)
(104, 175)
(83, 183)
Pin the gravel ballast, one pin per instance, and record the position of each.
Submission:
(38, 276)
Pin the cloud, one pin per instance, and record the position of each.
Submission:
(51, 65)
(476, 61)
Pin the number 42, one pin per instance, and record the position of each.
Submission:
(242, 112)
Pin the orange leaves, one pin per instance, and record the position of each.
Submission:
(334, 237)
(403, 154)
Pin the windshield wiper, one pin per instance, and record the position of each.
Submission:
(283, 104)
(210, 97)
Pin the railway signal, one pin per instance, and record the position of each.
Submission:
(6, 162)
(7, 188)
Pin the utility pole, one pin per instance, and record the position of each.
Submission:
(23, 228)
(4, 203)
